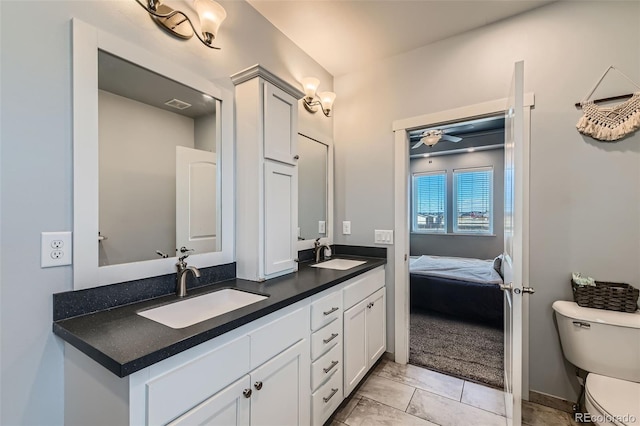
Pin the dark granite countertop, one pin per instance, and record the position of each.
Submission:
(124, 342)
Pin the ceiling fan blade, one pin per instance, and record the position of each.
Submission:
(456, 129)
(451, 138)
(417, 145)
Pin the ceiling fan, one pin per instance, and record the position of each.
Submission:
(433, 136)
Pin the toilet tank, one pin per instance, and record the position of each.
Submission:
(600, 341)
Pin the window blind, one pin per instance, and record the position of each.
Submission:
(429, 202)
(473, 200)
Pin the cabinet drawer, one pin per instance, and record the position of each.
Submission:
(361, 287)
(326, 399)
(325, 310)
(325, 366)
(175, 392)
(324, 339)
(276, 336)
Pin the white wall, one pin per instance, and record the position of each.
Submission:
(36, 169)
(584, 195)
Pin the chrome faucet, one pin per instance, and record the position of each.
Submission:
(181, 281)
(318, 249)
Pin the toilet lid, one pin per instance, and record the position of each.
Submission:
(617, 398)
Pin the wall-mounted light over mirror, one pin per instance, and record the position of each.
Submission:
(312, 98)
(153, 163)
(177, 23)
(315, 191)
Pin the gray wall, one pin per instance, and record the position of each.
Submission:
(36, 179)
(575, 182)
(137, 179)
(477, 246)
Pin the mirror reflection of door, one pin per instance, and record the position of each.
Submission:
(196, 224)
(312, 188)
(144, 119)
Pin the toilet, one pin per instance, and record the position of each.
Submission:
(606, 344)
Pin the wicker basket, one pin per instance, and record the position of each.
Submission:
(604, 295)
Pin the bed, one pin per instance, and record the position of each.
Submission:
(461, 287)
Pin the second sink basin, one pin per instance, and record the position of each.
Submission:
(339, 264)
(200, 308)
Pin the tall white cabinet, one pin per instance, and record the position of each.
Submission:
(266, 174)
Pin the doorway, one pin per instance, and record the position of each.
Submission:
(402, 129)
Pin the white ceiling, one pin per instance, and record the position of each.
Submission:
(345, 35)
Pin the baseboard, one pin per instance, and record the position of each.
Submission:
(551, 401)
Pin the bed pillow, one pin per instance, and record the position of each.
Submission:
(497, 264)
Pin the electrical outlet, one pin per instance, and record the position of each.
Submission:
(321, 227)
(346, 227)
(55, 249)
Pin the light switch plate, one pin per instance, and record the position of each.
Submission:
(383, 236)
(346, 227)
(55, 249)
(321, 227)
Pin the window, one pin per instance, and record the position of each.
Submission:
(429, 202)
(473, 201)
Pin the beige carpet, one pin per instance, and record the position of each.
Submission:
(459, 348)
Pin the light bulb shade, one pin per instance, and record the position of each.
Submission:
(430, 140)
(211, 15)
(310, 85)
(326, 100)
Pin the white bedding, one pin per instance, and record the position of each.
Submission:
(457, 268)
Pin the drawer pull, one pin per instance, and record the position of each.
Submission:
(327, 398)
(333, 336)
(329, 368)
(258, 385)
(332, 310)
(246, 393)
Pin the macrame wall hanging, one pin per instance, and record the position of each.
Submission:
(610, 123)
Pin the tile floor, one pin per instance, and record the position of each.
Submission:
(395, 394)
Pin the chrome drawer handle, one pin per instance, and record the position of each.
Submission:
(333, 392)
(333, 336)
(246, 393)
(335, 308)
(370, 305)
(333, 364)
(258, 385)
(582, 324)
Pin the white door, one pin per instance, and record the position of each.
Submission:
(376, 326)
(280, 125)
(355, 345)
(280, 217)
(278, 398)
(514, 186)
(196, 194)
(229, 407)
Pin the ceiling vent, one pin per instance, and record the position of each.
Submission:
(177, 104)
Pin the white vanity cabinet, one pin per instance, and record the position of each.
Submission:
(267, 174)
(364, 326)
(326, 355)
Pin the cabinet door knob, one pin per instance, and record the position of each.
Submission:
(246, 393)
(296, 157)
(369, 305)
(257, 385)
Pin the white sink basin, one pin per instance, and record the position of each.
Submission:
(339, 264)
(200, 308)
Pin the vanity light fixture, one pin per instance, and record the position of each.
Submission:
(177, 23)
(311, 100)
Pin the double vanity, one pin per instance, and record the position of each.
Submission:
(262, 336)
(289, 358)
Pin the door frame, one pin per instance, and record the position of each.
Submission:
(402, 213)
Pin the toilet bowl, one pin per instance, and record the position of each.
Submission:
(605, 344)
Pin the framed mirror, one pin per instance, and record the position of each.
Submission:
(152, 163)
(315, 190)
